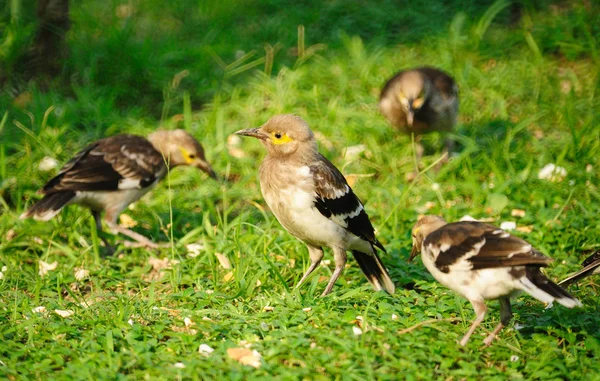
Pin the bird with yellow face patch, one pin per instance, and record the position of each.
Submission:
(420, 100)
(113, 172)
(312, 200)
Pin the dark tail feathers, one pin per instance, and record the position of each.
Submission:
(545, 290)
(49, 206)
(375, 271)
(589, 269)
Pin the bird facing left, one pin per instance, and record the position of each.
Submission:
(113, 172)
(312, 200)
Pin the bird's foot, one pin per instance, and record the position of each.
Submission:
(488, 340)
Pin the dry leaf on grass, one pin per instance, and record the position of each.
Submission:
(47, 164)
(205, 350)
(517, 213)
(64, 313)
(39, 309)
(81, 273)
(46, 267)
(162, 264)
(127, 222)
(223, 260)
(245, 356)
(229, 276)
(194, 249)
(268, 309)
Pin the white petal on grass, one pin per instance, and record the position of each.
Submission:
(435, 187)
(64, 313)
(552, 172)
(357, 331)
(4, 268)
(188, 322)
(179, 365)
(307, 309)
(130, 322)
(47, 164)
(514, 358)
(205, 350)
(46, 267)
(38, 310)
(394, 317)
(81, 273)
(194, 249)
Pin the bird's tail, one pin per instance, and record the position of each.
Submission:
(49, 206)
(587, 270)
(375, 271)
(540, 287)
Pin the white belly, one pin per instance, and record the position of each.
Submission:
(474, 285)
(112, 202)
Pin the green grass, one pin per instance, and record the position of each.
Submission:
(529, 96)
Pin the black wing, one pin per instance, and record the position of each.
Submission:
(336, 201)
(481, 246)
(117, 162)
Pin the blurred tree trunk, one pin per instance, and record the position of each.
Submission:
(45, 58)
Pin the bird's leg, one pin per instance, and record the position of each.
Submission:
(316, 254)
(339, 256)
(480, 310)
(505, 316)
(98, 221)
(141, 240)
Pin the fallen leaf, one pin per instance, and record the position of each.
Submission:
(161, 264)
(39, 309)
(307, 309)
(508, 225)
(245, 356)
(353, 152)
(223, 260)
(194, 249)
(179, 365)
(268, 309)
(229, 276)
(188, 322)
(205, 350)
(10, 235)
(46, 267)
(64, 313)
(81, 273)
(517, 213)
(47, 164)
(126, 221)
(552, 172)
(525, 229)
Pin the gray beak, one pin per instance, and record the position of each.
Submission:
(413, 253)
(205, 166)
(253, 132)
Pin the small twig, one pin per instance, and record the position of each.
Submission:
(426, 322)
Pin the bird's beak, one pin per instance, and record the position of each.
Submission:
(413, 253)
(206, 167)
(410, 116)
(253, 132)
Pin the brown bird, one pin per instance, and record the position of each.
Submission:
(590, 266)
(113, 172)
(312, 200)
(482, 262)
(420, 100)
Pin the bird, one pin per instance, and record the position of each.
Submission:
(111, 173)
(419, 101)
(482, 262)
(312, 200)
(591, 266)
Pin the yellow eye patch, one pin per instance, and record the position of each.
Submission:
(279, 138)
(186, 155)
(417, 103)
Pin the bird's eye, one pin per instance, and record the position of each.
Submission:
(277, 135)
(192, 156)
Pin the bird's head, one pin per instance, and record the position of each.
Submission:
(181, 148)
(424, 226)
(412, 91)
(283, 135)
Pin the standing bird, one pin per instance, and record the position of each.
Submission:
(312, 200)
(420, 100)
(113, 172)
(590, 266)
(481, 262)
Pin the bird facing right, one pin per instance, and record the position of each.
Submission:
(420, 100)
(312, 200)
(482, 262)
